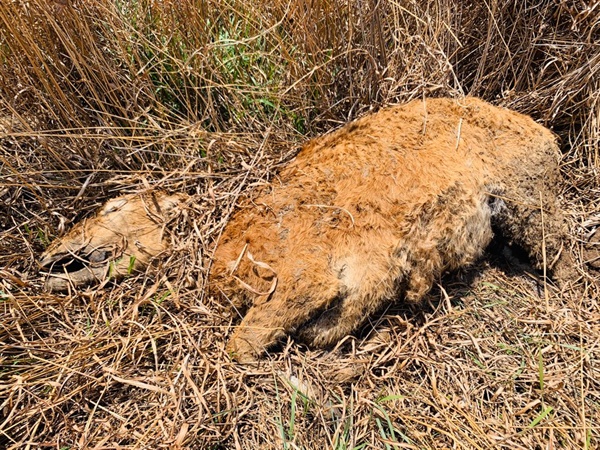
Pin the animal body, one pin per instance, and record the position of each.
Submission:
(368, 214)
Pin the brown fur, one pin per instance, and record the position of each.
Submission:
(122, 237)
(378, 210)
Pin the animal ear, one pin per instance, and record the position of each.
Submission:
(170, 202)
(113, 205)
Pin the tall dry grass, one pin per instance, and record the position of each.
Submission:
(99, 97)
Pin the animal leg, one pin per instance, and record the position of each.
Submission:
(339, 321)
(368, 280)
(536, 224)
(266, 323)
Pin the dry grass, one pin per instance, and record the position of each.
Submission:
(101, 97)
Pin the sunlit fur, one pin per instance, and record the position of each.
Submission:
(377, 210)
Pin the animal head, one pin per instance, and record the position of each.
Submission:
(121, 238)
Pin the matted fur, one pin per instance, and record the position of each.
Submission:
(374, 212)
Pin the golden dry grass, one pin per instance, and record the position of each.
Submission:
(103, 97)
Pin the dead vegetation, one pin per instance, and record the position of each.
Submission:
(103, 98)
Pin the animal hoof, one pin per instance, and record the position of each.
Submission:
(241, 351)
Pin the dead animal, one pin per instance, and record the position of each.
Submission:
(365, 215)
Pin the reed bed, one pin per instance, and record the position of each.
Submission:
(104, 97)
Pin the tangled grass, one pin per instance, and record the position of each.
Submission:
(102, 97)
